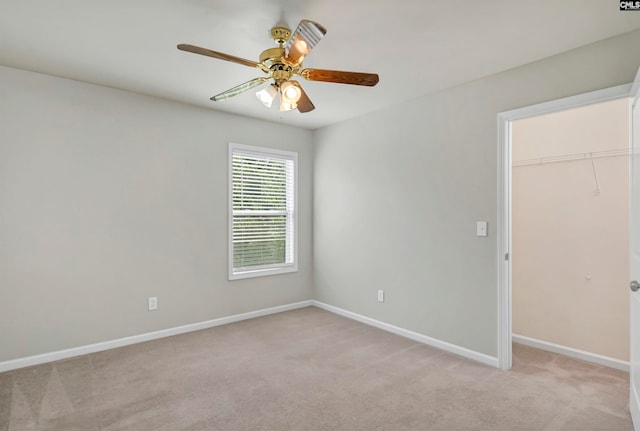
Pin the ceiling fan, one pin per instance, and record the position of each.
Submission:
(283, 63)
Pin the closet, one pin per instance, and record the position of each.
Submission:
(570, 231)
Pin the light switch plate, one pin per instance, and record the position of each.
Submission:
(481, 228)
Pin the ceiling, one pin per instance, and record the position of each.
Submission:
(416, 46)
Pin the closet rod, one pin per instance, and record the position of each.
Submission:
(571, 157)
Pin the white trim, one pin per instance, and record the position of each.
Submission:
(292, 232)
(433, 342)
(635, 87)
(571, 352)
(503, 227)
(134, 339)
(503, 224)
(570, 102)
(634, 402)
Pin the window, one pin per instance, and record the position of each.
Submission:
(262, 211)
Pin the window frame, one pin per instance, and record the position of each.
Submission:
(273, 269)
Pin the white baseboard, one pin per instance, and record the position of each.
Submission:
(120, 342)
(433, 342)
(574, 353)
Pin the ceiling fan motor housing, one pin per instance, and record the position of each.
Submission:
(272, 59)
(271, 56)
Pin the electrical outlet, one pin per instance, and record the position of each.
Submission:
(153, 303)
(380, 295)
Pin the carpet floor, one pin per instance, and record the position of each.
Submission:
(309, 369)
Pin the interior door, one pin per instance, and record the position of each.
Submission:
(634, 403)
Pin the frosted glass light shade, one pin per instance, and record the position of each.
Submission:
(289, 92)
(267, 95)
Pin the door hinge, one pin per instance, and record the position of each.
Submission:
(506, 256)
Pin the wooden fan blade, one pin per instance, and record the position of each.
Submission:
(239, 89)
(341, 77)
(304, 103)
(216, 54)
(302, 41)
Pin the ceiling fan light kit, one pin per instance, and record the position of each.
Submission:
(267, 94)
(283, 63)
(290, 92)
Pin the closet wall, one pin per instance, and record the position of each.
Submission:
(571, 228)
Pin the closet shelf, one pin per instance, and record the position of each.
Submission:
(572, 157)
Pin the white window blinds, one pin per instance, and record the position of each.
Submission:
(262, 211)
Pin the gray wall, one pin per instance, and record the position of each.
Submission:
(108, 197)
(397, 194)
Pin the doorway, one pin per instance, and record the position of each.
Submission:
(508, 123)
(570, 232)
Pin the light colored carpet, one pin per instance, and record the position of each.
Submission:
(309, 370)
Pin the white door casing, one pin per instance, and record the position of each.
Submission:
(634, 264)
(504, 202)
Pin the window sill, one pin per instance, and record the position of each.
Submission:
(262, 272)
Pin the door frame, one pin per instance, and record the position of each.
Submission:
(503, 222)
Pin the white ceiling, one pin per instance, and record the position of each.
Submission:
(416, 46)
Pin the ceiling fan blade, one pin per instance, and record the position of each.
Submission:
(341, 77)
(304, 103)
(239, 89)
(216, 54)
(302, 41)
